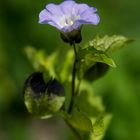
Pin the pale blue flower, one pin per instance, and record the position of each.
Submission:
(68, 15)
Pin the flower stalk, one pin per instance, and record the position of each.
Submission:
(73, 79)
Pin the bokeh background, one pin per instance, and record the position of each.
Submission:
(120, 87)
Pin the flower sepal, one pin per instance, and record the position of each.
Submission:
(73, 36)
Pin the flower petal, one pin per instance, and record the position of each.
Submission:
(90, 19)
(81, 8)
(88, 11)
(54, 9)
(67, 6)
(68, 15)
(77, 25)
(43, 16)
(67, 29)
(46, 18)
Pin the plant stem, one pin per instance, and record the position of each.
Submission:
(76, 134)
(73, 79)
(78, 88)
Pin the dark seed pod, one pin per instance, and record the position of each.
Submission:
(36, 82)
(43, 99)
(54, 88)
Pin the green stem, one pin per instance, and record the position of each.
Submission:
(78, 88)
(73, 80)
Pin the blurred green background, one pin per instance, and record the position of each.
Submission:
(120, 88)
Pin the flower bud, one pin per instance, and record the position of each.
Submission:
(43, 99)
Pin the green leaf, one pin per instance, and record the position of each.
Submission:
(64, 64)
(89, 103)
(41, 61)
(100, 126)
(35, 57)
(98, 56)
(53, 64)
(88, 57)
(93, 107)
(97, 51)
(109, 44)
(79, 121)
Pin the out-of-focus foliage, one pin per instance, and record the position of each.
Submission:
(91, 121)
(120, 87)
(45, 102)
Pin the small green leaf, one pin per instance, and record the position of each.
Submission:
(89, 103)
(35, 57)
(79, 121)
(88, 57)
(99, 56)
(109, 44)
(64, 64)
(41, 61)
(100, 125)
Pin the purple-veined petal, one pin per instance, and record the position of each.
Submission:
(67, 6)
(90, 19)
(54, 9)
(46, 18)
(81, 8)
(88, 12)
(54, 24)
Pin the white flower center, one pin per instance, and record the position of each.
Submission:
(67, 20)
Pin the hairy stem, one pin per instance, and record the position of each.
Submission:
(73, 80)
